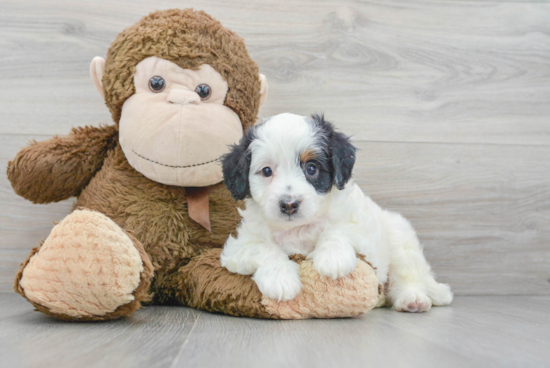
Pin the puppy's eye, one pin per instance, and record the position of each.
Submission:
(157, 84)
(204, 91)
(311, 169)
(267, 172)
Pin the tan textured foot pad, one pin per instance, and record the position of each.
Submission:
(322, 297)
(86, 268)
(205, 284)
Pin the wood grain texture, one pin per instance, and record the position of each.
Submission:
(12, 305)
(150, 338)
(449, 102)
(474, 332)
(481, 211)
(420, 71)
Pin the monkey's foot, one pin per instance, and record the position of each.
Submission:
(87, 269)
(323, 297)
(205, 284)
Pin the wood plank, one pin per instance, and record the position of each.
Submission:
(423, 71)
(482, 211)
(473, 331)
(449, 104)
(150, 338)
(12, 305)
(22, 223)
(10, 260)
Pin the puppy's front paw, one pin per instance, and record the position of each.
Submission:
(280, 280)
(236, 265)
(412, 301)
(334, 260)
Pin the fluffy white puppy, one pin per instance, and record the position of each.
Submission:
(294, 174)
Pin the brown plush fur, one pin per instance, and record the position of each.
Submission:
(157, 215)
(59, 168)
(204, 284)
(181, 262)
(189, 39)
(90, 164)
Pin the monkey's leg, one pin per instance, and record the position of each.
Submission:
(205, 284)
(87, 269)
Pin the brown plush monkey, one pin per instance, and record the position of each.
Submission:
(151, 212)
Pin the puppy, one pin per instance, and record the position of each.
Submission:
(294, 174)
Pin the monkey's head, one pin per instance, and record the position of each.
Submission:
(181, 88)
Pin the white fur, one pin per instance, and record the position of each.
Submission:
(329, 228)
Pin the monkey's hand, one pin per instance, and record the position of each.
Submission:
(61, 167)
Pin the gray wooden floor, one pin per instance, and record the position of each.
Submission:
(476, 331)
(449, 103)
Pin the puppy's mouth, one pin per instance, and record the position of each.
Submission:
(289, 217)
(294, 219)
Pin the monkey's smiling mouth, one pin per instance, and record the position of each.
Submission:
(175, 166)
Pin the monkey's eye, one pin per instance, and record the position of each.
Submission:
(204, 91)
(157, 84)
(267, 172)
(311, 169)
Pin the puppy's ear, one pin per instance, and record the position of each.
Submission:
(342, 152)
(236, 165)
(343, 158)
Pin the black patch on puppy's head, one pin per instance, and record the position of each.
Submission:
(320, 158)
(339, 152)
(236, 166)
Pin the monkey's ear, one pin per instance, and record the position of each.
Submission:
(263, 89)
(236, 167)
(343, 158)
(97, 68)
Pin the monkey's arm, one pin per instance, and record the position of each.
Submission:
(61, 167)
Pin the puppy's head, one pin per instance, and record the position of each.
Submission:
(288, 164)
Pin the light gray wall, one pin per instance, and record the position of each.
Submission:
(448, 101)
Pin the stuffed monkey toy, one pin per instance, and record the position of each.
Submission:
(152, 213)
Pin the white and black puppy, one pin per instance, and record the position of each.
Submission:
(294, 174)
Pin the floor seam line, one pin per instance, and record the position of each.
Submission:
(177, 358)
(17, 315)
(450, 143)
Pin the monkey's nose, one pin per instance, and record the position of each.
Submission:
(183, 97)
(289, 207)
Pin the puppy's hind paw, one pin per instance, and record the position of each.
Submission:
(413, 302)
(279, 281)
(440, 294)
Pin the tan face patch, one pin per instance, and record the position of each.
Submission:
(307, 155)
(172, 136)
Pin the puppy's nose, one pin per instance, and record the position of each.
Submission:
(183, 97)
(289, 206)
